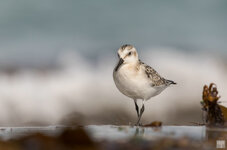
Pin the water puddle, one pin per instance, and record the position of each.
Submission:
(105, 136)
(109, 132)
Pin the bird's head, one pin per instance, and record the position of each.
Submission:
(127, 54)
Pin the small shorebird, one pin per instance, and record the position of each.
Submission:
(137, 80)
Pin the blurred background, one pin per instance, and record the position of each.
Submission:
(57, 57)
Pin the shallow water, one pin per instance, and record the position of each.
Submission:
(115, 133)
(7, 133)
(110, 132)
(105, 136)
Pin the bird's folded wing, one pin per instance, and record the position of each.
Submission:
(156, 79)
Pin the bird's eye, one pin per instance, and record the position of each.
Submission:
(118, 55)
(129, 53)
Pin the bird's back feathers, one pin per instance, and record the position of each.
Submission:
(153, 75)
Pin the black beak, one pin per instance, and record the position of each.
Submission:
(121, 61)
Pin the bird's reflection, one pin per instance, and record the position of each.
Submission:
(139, 132)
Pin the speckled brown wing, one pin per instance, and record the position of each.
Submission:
(155, 78)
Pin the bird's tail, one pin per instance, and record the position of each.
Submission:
(169, 82)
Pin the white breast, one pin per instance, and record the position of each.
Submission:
(134, 83)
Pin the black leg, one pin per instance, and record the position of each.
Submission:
(141, 113)
(142, 110)
(137, 108)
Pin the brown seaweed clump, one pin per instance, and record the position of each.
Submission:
(213, 113)
(153, 124)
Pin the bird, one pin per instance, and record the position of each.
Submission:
(137, 80)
